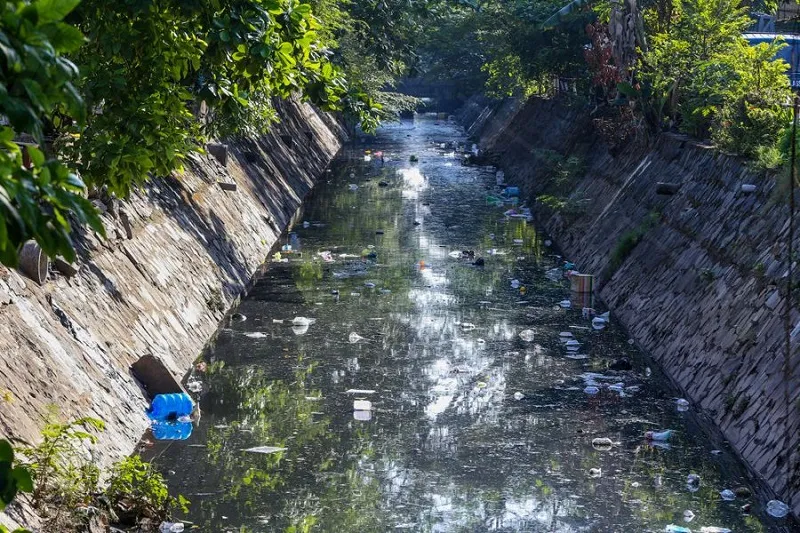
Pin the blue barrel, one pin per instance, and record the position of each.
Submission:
(172, 430)
(512, 191)
(167, 406)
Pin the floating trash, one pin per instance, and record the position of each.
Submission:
(602, 443)
(359, 391)
(554, 274)
(592, 390)
(468, 326)
(672, 528)
(238, 317)
(728, 495)
(518, 396)
(354, 337)
(566, 304)
(302, 321)
(714, 529)
(565, 335)
(362, 416)
(595, 472)
(693, 482)
(265, 449)
(353, 186)
(362, 405)
(682, 405)
(688, 516)
(777, 509)
(515, 283)
(527, 335)
(659, 435)
(576, 356)
(598, 323)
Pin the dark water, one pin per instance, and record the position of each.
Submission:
(447, 446)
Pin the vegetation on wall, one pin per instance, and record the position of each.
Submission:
(63, 484)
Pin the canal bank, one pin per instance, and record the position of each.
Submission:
(178, 255)
(696, 276)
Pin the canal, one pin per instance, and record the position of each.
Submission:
(473, 414)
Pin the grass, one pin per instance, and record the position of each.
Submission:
(629, 240)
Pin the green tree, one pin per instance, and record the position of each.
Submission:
(43, 199)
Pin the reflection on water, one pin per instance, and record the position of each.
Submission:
(469, 427)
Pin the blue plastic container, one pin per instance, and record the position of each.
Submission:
(170, 406)
(172, 430)
(512, 191)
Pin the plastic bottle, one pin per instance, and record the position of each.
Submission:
(658, 435)
(777, 509)
(672, 528)
(166, 406)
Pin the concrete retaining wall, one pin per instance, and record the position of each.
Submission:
(703, 291)
(177, 255)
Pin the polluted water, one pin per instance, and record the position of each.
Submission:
(418, 426)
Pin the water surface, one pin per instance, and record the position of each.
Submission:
(472, 428)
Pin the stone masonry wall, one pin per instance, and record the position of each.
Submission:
(177, 255)
(703, 291)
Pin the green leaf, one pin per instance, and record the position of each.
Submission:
(6, 452)
(63, 37)
(55, 10)
(23, 478)
(36, 155)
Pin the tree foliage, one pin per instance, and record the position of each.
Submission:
(117, 92)
(38, 200)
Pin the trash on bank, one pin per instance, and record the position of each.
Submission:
(714, 529)
(527, 335)
(728, 495)
(180, 429)
(170, 406)
(171, 527)
(359, 391)
(688, 516)
(591, 390)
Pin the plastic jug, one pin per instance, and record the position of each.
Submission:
(172, 430)
(167, 406)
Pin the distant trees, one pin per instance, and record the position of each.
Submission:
(655, 64)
